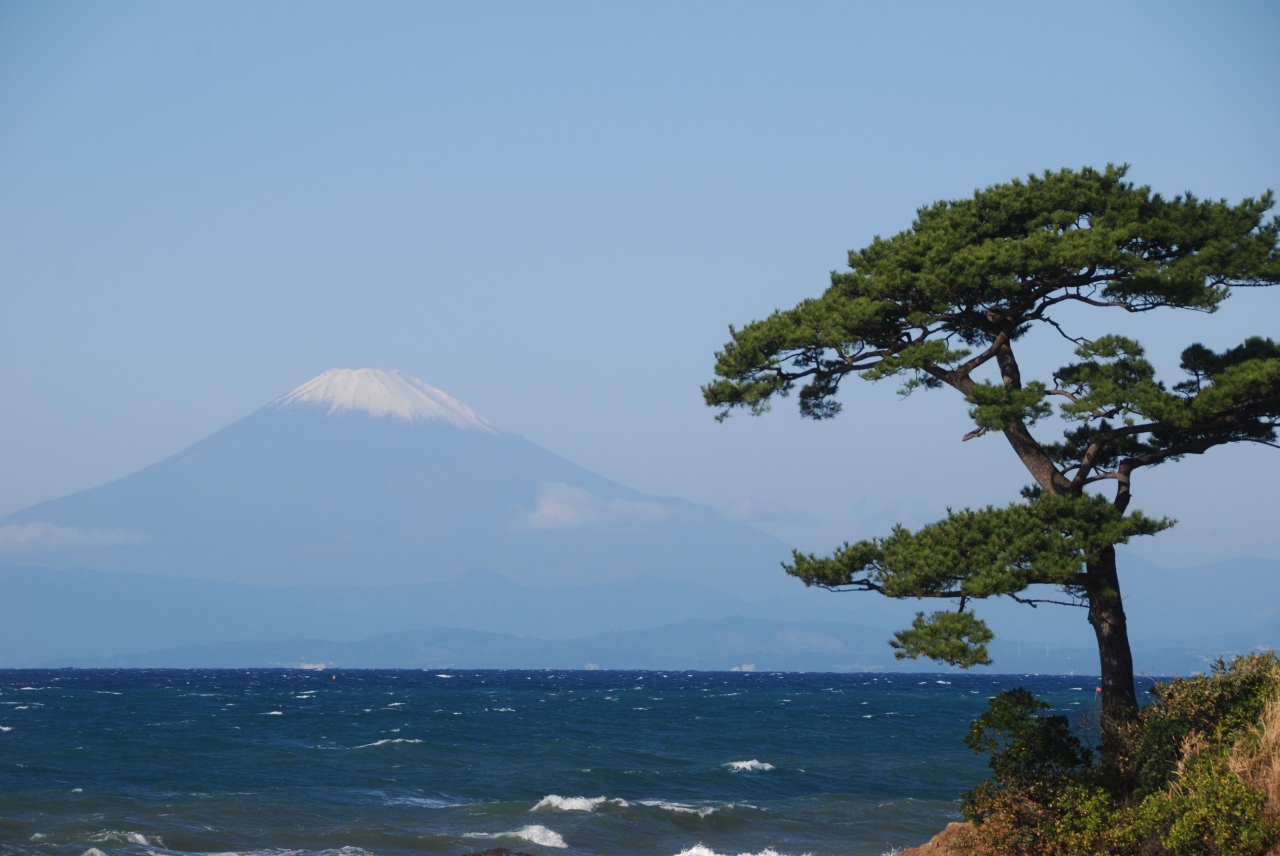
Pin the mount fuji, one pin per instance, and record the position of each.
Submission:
(369, 519)
(373, 477)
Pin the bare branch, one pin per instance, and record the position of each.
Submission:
(1034, 601)
(868, 585)
(1078, 340)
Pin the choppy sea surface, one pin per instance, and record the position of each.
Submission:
(349, 763)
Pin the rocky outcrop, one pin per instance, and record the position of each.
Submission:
(945, 843)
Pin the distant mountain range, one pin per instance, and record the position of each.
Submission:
(368, 519)
(481, 619)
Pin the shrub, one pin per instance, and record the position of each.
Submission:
(1197, 774)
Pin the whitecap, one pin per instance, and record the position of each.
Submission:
(113, 835)
(753, 765)
(702, 850)
(574, 803)
(386, 740)
(422, 802)
(534, 834)
(6, 727)
(272, 713)
(681, 808)
(444, 676)
(93, 851)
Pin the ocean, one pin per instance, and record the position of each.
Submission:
(370, 762)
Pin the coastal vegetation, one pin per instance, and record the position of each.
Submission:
(1196, 773)
(950, 303)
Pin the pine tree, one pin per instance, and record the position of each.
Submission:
(948, 303)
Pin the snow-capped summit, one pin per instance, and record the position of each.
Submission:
(375, 478)
(385, 394)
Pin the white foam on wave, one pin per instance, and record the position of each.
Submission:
(272, 713)
(752, 765)
(386, 740)
(560, 803)
(6, 727)
(680, 808)
(125, 837)
(534, 834)
(93, 851)
(702, 850)
(340, 851)
(422, 802)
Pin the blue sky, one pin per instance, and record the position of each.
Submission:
(553, 211)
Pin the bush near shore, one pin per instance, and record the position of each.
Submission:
(1197, 773)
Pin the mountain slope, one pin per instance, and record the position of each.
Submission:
(373, 477)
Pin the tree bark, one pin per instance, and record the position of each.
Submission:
(1106, 614)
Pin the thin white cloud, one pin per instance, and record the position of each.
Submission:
(563, 506)
(51, 536)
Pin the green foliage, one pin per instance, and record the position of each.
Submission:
(996, 405)
(980, 270)
(1230, 397)
(955, 638)
(1027, 748)
(1210, 812)
(1190, 798)
(973, 555)
(1217, 707)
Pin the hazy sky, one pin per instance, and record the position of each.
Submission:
(552, 211)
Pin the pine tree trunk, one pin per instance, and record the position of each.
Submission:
(1106, 614)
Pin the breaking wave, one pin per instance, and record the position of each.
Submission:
(560, 803)
(681, 808)
(703, 850)
(386, 740)
(753, 765)
(119, 837)
(534, 834)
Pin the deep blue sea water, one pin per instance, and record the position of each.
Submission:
(143, 762)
